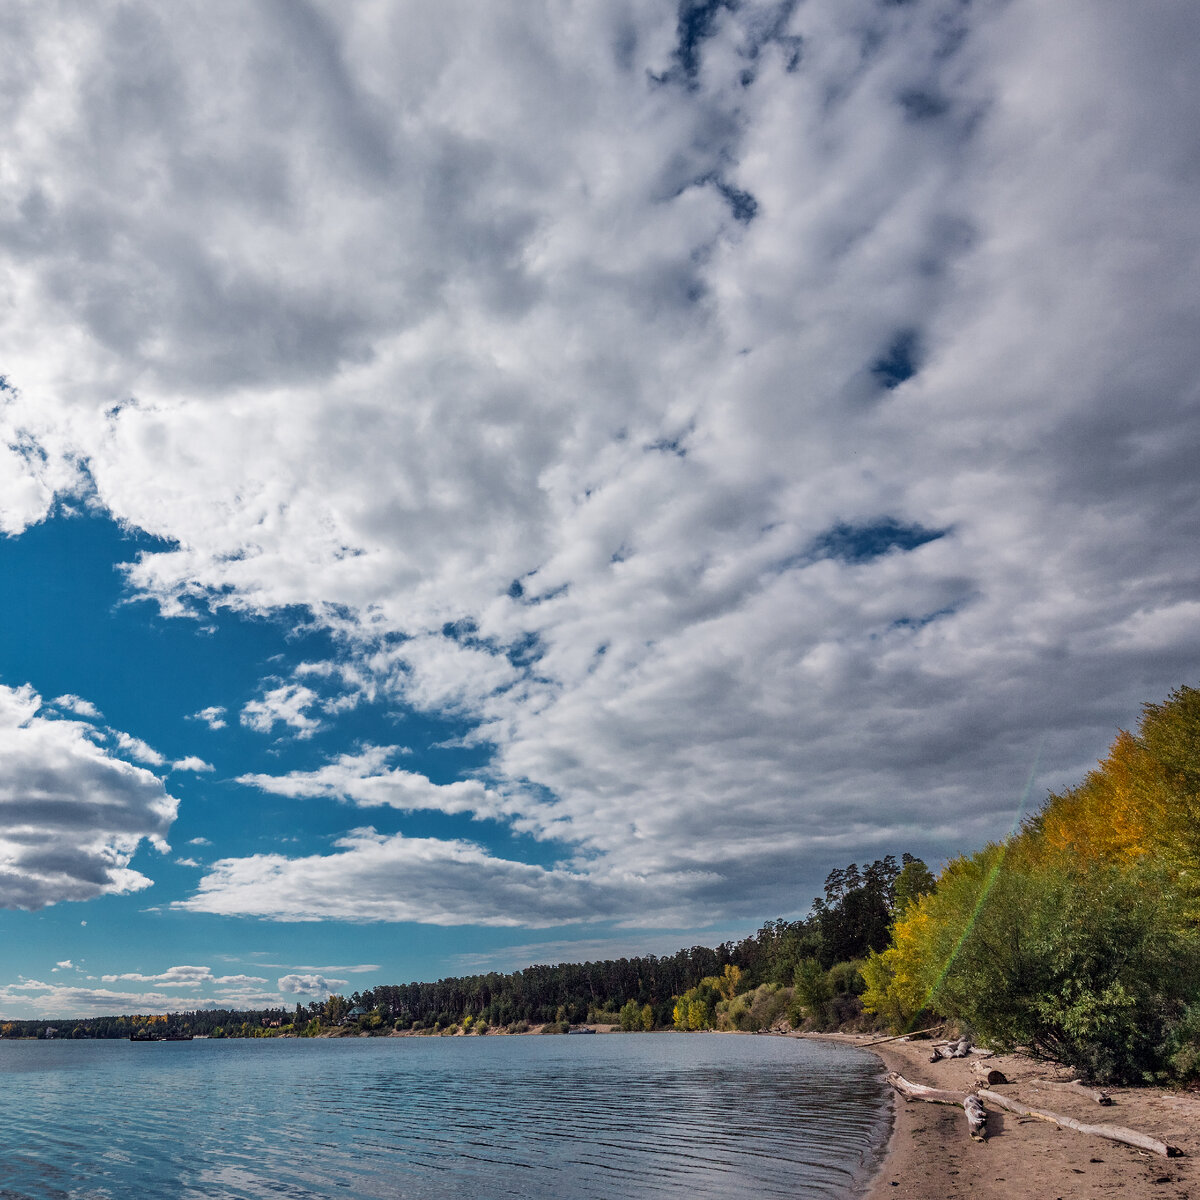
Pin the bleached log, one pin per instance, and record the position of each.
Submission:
(969, 1102)
(976, 1117)
(988, 1075)
(1077, 1085)
(898, 1036)
(959, 1049)
(920, 1091)
(1114, 1133)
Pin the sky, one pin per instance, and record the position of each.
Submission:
(546, 480)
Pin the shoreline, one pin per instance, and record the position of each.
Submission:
(930, 1157)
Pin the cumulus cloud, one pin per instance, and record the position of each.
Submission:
(72, 815)
(375, 877)
(763, 436)
(135, 748)
(213, 716)
(365, 780)
(284, 705)
(192, 763)
(79, 706)
(309, 985)
(65, 965)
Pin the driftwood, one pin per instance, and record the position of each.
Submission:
(969, 1102)
(988, 1075)
(898, 1036)
(1114, 1133)
(976, 1117)
(1077, 1085)
(959, 1049)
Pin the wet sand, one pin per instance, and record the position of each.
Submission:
(931, 1157)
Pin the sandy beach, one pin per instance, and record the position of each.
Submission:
(930, 1156)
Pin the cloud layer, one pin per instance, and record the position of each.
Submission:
(773, 435)
(71, 814)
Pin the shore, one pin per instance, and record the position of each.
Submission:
(930, 1156)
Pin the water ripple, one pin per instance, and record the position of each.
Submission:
(652, 1115)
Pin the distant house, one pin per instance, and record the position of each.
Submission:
(353, 1015)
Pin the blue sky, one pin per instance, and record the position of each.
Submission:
(545, 481)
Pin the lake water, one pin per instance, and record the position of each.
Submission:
(707, 1117)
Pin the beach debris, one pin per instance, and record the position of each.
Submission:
(1077, 1085)
(1114, 1133)
(976, 1117)
(969, 1102)
(988, 1075)
(898, 1037)
(959, 1049)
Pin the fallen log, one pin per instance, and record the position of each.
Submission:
(897, 1036)
(969, 1102)
(1114, 1133)
(1077, 1085)
(988, 1075)
(976, 1117)
(959, 1049)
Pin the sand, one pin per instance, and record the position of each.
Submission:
(930, 1156)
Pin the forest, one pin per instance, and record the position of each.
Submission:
(1076, 939)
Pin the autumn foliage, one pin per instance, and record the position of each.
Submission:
(1079, 937)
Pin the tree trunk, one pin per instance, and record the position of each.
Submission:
(988, 1075)
(1077, 1085)
(968, 1101)
(1114, 1133)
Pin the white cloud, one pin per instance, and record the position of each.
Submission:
(79, 706)
(199, 841)
(286, 705)
(71, 815)
(374, 877)
(309, 985)
(478, 308)
(188, 862)
(191, 763)
(65, 965)
(135, 748)
(364, 779)
(184, 976)
(213, 716)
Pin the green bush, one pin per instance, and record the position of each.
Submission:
(1092, 970)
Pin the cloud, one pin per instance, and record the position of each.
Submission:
(595, 382)
(135, 748)
(65, 965)
(375, 877)
(364, 779)
(191, 763)
(199, 841)
(184, 976)
(213, 716)
(188, 862)
(309, 985)
(284, 705)
(79, 706)
(72, 815)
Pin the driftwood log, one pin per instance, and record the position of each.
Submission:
(1114, 1133)
(988, 1075)
(898, 1036)
(1077, 1085)
(959, 1049)
(969, 1102)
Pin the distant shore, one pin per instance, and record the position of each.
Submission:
(930, 1156)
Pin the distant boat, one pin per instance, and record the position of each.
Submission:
(581, 1031)
(142, 1036)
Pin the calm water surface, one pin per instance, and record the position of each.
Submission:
(561, 1118)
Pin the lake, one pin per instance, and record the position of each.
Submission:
(708, 1117)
